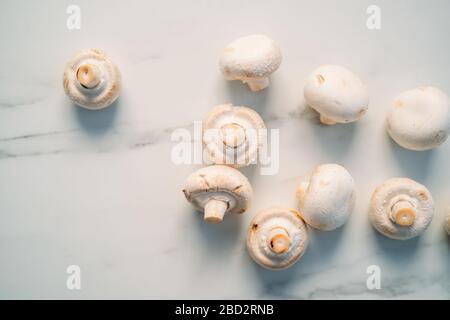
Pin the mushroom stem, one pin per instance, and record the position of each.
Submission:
(257, 84)
(279, 240)
(215, 210)
(403, 213)
(88, 75)
(233, 135)
(326, 121)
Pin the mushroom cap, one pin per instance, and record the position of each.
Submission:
(327, 200)
(419, 119)
(260, 244)
(221, 183)
(246, 128)
(336, 93)
(107, 75)
(250, 57)
(395, 191)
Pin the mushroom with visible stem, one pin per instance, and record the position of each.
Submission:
(419, 119)
(92, 80)
(277, 237)
(218, 190)
(251, 59)
(233, 135)
(327, 199)
(401, 208)
(337, 94)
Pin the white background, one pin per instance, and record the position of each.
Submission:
(98, 189)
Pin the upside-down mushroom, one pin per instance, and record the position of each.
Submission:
(218, 190)
(92, 80)
(251, 59)
(401, 208)
(419, 119)
(337, 94)
(277, 237)
(233, 135)
(327, 200)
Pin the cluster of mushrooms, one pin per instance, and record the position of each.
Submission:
(277, 237)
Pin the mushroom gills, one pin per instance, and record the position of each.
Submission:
(401, 208)
(218, 190)
(277, 237)
(91, 80)
(233, 135)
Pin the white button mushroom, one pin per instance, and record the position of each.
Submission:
(337, 94)
(419, 119)
(401, 208)
(327, 200)
(91, 80)
(218, 190)
(277, 238)
(251, 59)
(233, 135)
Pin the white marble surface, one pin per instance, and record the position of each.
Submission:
(98, 189)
